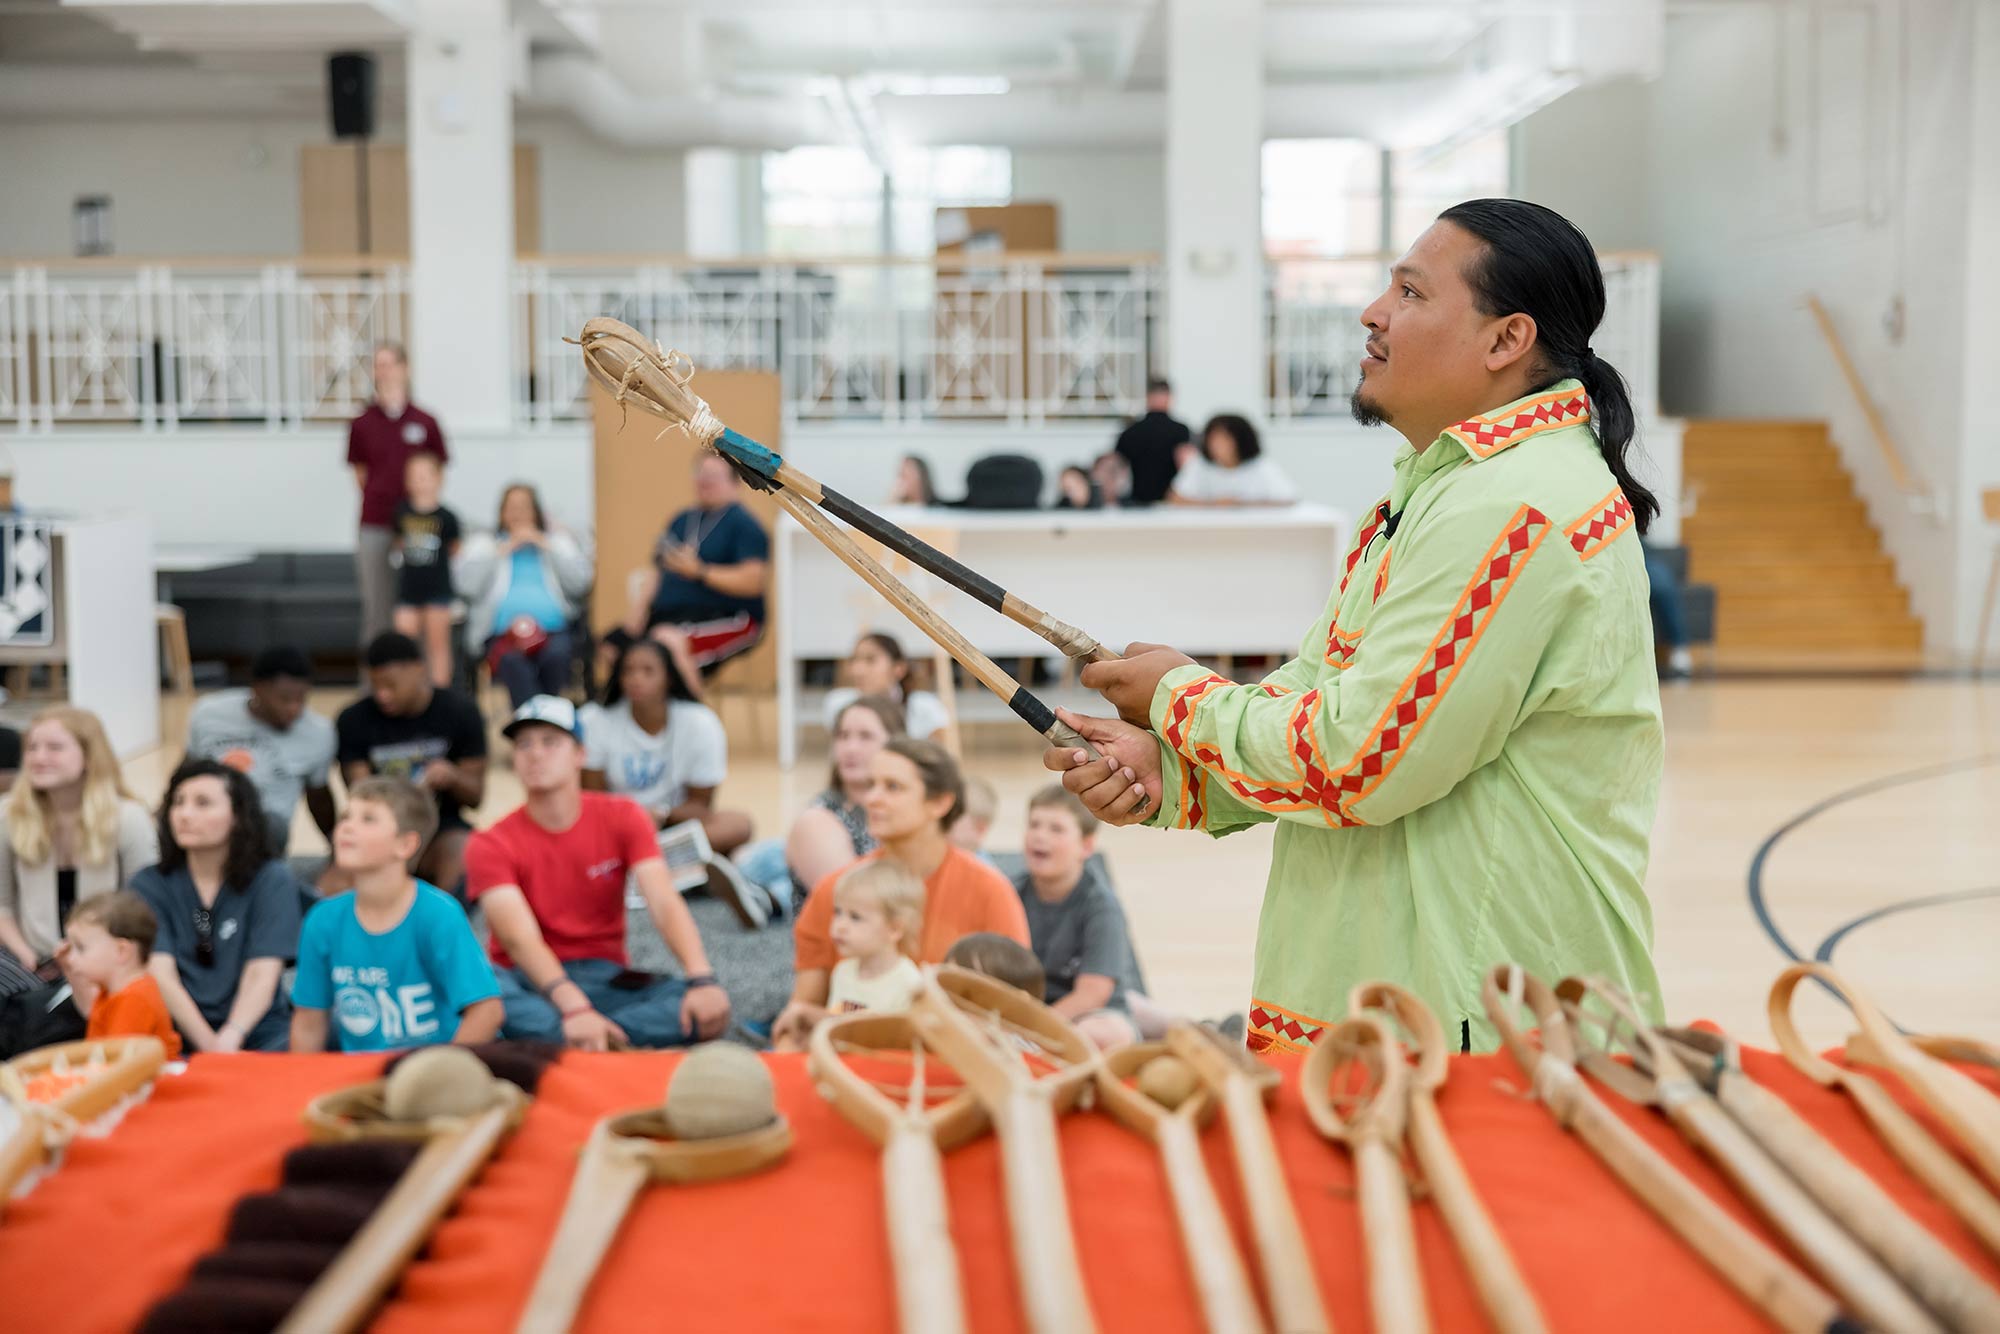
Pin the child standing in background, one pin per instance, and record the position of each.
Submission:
(106, 944)
(878, 908)
(427, 535)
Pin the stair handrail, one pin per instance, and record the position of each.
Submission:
(1899, 471)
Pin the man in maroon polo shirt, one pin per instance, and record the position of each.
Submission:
(379, 444)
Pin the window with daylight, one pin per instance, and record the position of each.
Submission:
(1322, 198)
(828, 201)
(1424, 182)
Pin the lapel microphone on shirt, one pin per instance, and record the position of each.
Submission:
(1389, 521)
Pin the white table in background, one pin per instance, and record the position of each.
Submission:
(1224, 581)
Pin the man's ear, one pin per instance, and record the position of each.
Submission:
(1512, 338)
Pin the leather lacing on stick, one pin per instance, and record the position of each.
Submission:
(279, 1243)
(1657, 1078)
(1764, 1278)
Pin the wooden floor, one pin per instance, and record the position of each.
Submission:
(1744, 758)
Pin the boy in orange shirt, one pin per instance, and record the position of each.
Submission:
(107, 941)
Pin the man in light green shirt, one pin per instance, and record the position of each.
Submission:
(1464, 757)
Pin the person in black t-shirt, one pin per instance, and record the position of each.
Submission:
(710, 569)
(1148, 445)
(427, 537)
(408, 728)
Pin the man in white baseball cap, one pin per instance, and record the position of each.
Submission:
(552, 876)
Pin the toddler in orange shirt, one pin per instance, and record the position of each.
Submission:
(107, 941)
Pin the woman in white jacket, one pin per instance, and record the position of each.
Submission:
(524, 583)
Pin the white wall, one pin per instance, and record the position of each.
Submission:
(1783, 157)
(1109, 200)
(212, 185)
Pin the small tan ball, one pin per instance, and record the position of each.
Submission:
(438, 1081)
(1168, 1080)
(719, 1089)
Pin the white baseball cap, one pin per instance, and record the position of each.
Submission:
(550, 711)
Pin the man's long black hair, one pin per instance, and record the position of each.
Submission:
(1540, 264)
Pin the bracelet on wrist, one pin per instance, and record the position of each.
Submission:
(548, 989)
(694, 980)
(567, 1015)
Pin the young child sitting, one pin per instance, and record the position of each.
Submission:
(878, 908)
(981, 803)
(999, 958)
(1075, 922)
(106, 944)
(394, 959)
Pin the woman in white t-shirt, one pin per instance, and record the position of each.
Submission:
(1232, 470)
(652, 742)
(878, 667)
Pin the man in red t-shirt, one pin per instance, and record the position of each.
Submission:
(551, 877)
(379, 444)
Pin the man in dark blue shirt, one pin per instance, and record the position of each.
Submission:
(710, 570)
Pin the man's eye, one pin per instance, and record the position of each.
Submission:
(1409, 290)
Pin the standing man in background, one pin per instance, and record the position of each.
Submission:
(379, 444)
(1148, 445)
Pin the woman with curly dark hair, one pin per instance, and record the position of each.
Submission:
(228, 913)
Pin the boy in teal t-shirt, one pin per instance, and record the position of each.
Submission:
(394, 961)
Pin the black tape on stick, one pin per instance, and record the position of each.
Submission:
(1031, 710)
(961, 577)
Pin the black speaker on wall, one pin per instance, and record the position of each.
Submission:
(350, 88)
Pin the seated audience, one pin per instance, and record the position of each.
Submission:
(525, 582)
(650, 741)
(1664, 591)
(1002, 958)
(1114, 479)
(1075, 923)
(878, 907)
(1076, 489)
(72, 832)
(393, 963)
(551, 878)
(109, 940)
(833, 829)
(1148, 446)
(405, 727)
(913, 797)
(878, 667)
(709, 573)
(1232, 470)
(270, 734)
(427, 536)
(913, 483)
(228, 913)
(975, 819)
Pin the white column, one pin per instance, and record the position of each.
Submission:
(1978, 468)
(714, 198)
(1215, 246)
(461, 152)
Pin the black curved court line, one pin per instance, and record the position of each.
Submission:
(1810, 813)
(1825, 951)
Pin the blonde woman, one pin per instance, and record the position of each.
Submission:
(68, 831)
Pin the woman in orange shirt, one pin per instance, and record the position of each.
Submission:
(914, 794)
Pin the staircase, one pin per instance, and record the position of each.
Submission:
(1801, 580)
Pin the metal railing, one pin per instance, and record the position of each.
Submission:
(1017, 339)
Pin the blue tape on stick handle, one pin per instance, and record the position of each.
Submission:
(749, 453)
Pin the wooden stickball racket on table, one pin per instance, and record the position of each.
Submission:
(1656, 1078)
(1509, 1303)
(1220, 1281)
(1929, 1161)
(1766, 1279)
(52, 1090)
(1027, 1065)
(1933, 1274)
(634, 369)
(1242, 1084)
(1356, 1089)
(883, 1080)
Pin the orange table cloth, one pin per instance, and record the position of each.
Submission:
(802, 1247)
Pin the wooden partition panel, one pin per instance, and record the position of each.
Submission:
(644, 478)
(329, 182)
